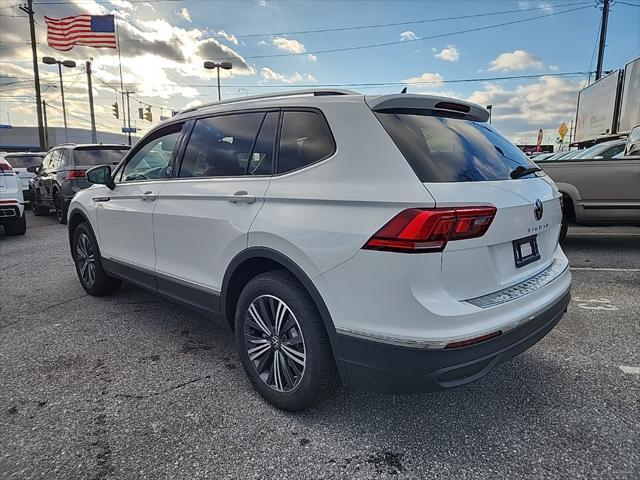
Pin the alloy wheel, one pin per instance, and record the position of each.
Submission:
(85, 258)
(274, 343)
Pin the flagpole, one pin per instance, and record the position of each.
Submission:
(115, 18)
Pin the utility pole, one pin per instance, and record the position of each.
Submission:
(128, 115)
(46, 128)
(94, 137)
(28, 9)
(603, 37)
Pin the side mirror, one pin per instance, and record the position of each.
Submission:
(33, 169)
(101, 175)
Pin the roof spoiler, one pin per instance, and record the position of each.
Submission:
(429, 104)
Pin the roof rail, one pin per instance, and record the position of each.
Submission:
(318, 92)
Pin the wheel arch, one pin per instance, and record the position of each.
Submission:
(573, 194)
(256, 260)
(76, 217)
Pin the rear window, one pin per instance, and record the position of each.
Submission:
(24, 161)
(443, 149)
(98, 156)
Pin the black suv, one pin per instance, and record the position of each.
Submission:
(62, 174)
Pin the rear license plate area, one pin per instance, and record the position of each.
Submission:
(525, 250)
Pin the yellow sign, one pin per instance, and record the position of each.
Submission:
(563, 130)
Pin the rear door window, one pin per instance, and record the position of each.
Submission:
(305, 138)
(443, 149)
(221, 146)
(23, 161)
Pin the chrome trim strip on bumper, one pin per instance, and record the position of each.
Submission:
(511, 293)
(521, 289)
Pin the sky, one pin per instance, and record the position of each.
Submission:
(375, 47)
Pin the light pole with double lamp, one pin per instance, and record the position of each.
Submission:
(224, 65)
(60, 63)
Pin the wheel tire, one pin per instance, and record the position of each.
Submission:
(318, 378)
(61, 210)
(16, 227)
(93, 278)
(564, 227)
(38, 209)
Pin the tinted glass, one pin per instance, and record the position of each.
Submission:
(453, 150)
(150, 162)
(53, 160)
(221, 146)
(305, 138)
(613, 151)
(98, 156)
(262, 156)
(23, 161)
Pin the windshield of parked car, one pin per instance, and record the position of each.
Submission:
(98, 156)
(24, 161)
(442, 149)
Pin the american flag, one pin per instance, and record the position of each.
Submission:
(88, 30)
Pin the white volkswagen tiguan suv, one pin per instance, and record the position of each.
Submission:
(395, 243)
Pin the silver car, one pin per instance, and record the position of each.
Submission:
(597, 184)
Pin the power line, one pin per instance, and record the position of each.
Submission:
(395, 24)
(360, 84)
(419, 39)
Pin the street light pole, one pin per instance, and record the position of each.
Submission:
(64, 108)
(490, 108)
(224, 65)
(60, 63)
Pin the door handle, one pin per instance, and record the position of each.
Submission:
(149, 196)
(241, 197)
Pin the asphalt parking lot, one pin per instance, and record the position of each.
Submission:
(133, 387)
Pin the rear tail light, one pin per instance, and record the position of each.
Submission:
(5, 167)
(420, 230)
(76, 174)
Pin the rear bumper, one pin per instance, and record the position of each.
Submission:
(383, 367)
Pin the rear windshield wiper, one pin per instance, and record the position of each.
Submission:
(521, 171)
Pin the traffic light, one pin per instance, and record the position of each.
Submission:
(147, 114)
(116, 111)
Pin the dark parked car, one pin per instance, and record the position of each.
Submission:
(62, 174)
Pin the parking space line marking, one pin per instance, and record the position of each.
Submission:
(612, 234)
(630, 370)
(605, 269)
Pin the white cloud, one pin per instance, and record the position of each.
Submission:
(262, 42)
(228, 36)
(431, 79)
(289, 45)
(516, 60)
(268, 74)
(124, 4)
(553, 67)
(526, 108)
(184, 13)
(545, 6)
(449, 54)
(408, 35)
(311, 57)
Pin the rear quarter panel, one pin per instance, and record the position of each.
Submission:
(321, 215)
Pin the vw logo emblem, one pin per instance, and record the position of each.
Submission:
(538, 209)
